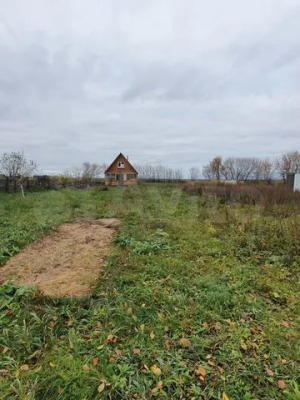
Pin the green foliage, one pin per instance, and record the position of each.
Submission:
(188, 284)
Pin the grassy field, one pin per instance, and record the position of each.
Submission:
(198, 300)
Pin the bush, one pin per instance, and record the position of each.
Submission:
(264, 195)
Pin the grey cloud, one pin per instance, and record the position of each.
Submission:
(162, 84)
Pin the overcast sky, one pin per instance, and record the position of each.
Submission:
(173, 82)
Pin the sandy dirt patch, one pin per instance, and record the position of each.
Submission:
(66, 262)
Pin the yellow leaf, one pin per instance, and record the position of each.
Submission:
(152, 335)
(160, 315)
(156, 370)
(100, 347)
(101, 387)
(244, 346)
(24, 368)
(51, 364)
(142, 327)
(225, 397)
(185, 342)
(86, 368)
(110, 339)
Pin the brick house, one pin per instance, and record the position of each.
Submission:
(121, 173)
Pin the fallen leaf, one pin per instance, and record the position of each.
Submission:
(270, 372)
(218, 326)
(136, 351)
(110, 339)
(100, 347)
(160, 316)
(221, 370)
(118, 352)
(152, 335)
(244, 346)
(156, 370)
(142, 327)
(51, 365)
(112, 360)
(211, 363)
(158, 387)
(95, 361)
(101, 387)
(225, 397)
(281, 384)
(201, 371)
(59, 390)
(86, 368)
(24, 368)
(185, 342)
(285, 324)
(205, 325)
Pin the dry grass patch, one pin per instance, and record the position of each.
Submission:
(66, 262)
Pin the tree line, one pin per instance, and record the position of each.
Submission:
(250, 168)
(16, 165)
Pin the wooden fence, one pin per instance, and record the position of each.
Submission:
(41, 183)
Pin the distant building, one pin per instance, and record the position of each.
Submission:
(293, 181)
(121, 173)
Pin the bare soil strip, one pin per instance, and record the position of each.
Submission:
(66, 263)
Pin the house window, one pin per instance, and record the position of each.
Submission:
(131, 176)
(121, 165)
(110, 176)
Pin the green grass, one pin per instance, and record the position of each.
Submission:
(189, 283)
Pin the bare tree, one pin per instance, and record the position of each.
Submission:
(289, 162)
(240, 168)
(16, 165)
(194, 173)
(213, 169)
(158, 172)
(264, 170)
(87, 171)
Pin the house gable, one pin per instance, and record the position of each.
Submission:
(121, 166)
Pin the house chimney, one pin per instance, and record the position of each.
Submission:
(127, 157)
